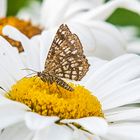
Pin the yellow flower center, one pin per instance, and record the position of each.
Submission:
(24, 26)
(54, 100)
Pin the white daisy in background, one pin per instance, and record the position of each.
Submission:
(26, 27)
(31, 12)
(131, 34)
(134, 46)
(87, 19)
(112, 95)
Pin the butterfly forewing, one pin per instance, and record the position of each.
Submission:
(65, 58)
(60, 36)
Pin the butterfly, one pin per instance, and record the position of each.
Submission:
(65, 59)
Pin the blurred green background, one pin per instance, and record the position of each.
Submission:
(121, 17)
(15, 5)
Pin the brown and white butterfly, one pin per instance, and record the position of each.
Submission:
(65, 59)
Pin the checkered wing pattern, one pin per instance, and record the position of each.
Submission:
(65, 58)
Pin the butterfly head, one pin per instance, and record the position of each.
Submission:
(44, 76)
(39, 74)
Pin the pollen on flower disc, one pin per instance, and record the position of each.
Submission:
(25, 27)
(49, 101)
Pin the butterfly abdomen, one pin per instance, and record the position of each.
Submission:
(63, 84)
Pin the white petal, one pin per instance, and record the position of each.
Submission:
(137, 101)
(11, 112)
(106, 35)
(35, 121)
(113, 74)
(77, 7)
(30, 12)
(6, 80)
(51, 17)
(94, 125)
(96, 3)
(10, 59)
(15, 34)
(124, 131)
(79, 135)
(97, 38)
(3, 8)
(31, 46)
(104, 11)
(46, 40)
(129, 32)
(125, 114)
(95, 64)
(54, 132)
(134, 46)
(126, 94)
(16, 132)
(86, 37)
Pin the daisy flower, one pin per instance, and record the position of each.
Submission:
(87, 19)
(103, 105)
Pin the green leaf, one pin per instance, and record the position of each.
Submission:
(124, 17)
(15, 5)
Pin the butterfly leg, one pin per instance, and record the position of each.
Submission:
(49, 86)
(50, 82)
(35, 78)
(58, 89)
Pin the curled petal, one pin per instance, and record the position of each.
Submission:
(123, 114)
(54, 132)
(11, 112)
(54, 17)
(104, 11)
(114, 74)
(94, 125)
(31, 46)
(97, 38)
(35, 121)
(124, 131)
(122, 95)
(17, 131)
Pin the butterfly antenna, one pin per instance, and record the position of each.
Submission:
(29, 74)
(29, 69)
